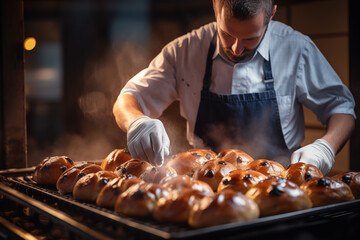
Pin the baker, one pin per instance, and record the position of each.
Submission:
(241, 82)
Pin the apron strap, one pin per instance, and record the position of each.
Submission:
(269, 80)
(208, 70)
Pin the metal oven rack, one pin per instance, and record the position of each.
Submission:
(88, 221)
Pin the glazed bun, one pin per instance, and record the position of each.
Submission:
(352, 179)
(133, 167)
(186, 163)
(267, 167)
(183, 181)
(67, 180)
(206, 153)
(325, 190)
(278, 195)
(156, 174)
(223, 207)
(175, 207)
(238, 158)
(212, 172)
(110, 192)
(115, 159)
(240, 180)
(88, 187)
(135, 202)
(301, 172)
(48, 171)
(139, 200)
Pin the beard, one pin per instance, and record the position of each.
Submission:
(246, 55)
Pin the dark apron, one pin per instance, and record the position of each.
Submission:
(249, 122)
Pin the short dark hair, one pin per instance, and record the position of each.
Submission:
(246, 9)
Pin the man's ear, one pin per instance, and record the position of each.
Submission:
(214, 7)
(274, 11)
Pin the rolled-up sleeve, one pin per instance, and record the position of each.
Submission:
(155, 86)
(319, 88)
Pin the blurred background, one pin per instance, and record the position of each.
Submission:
(80, 53)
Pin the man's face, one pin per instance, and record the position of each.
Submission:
(239, 39)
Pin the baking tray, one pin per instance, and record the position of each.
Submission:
(21, 180)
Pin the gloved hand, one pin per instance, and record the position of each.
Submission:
(148, 140)
(319, 154)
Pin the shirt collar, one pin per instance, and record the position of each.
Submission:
(263, 48)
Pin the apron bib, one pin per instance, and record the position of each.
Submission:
(249, 122)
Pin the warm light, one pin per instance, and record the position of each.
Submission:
(29, 43)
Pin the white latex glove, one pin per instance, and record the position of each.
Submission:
(148, 140)
(319, 154)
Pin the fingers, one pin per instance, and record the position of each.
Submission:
(295, 157)
(148, 140)
(157, 149)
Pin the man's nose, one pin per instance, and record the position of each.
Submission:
(237, 47)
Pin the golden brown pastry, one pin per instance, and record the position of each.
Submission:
(325, 190)
(115, 159)
(88, 187)
(212, 172)
(278, 195)
(240, 180)
(175, 207)
(186, 163)
(267, 167)
(352, 179)
(223, 207)
(156, 174)
(48, 171)
(67, 180)
(128, 181)
(207, 153)
(301, 172)
(108, 194)
(136, 202)
(183, 181)
(133, 167)
(139, 200)
(238, 158)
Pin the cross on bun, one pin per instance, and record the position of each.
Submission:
(48, 171)
(240, 180)
(134, 167)
(301, 172)
(115, 159)
(139, 200)
(236, 157)
(352, 179)
(186, 163)
(156, 174)
(88, 187)
(267, 167)
(278, 195)
(183, 181)
(175, 207)
(206, 153)
(212, 172)
(67, 180)
(325, 190)
(223, 207)
(110, 192)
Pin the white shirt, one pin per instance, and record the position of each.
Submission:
(301, 74)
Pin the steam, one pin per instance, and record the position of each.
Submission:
(99, 134)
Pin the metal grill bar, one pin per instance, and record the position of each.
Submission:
(51, 213)
(93, 215)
